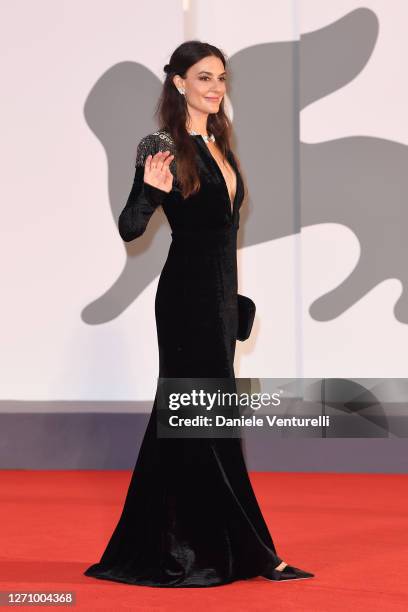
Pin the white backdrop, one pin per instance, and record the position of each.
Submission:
(61, 249)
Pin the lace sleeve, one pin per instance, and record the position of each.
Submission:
(152, 143)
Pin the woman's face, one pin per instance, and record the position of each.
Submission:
(205, 84)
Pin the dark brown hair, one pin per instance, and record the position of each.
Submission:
(172, 113)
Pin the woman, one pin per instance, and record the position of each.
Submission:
(191, 518)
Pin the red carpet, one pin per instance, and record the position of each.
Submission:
(348, 529)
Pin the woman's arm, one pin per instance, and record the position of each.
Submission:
(143, 198)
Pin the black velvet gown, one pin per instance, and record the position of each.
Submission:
(190, 517)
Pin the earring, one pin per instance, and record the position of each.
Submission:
(181, 90)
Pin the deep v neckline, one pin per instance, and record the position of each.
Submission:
(231, 203)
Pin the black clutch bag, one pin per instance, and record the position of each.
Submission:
(246, 315)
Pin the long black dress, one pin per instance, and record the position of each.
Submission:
(190, 518)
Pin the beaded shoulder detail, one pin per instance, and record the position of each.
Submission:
(152, 143)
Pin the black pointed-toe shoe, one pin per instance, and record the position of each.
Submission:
(287, 573)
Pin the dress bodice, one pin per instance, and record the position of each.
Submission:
(208, 209)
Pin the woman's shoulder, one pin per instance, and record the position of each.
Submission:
(152, 143)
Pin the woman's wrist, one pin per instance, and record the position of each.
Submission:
(155, 195)
(154, 187)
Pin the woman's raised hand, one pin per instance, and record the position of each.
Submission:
(157, 172)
